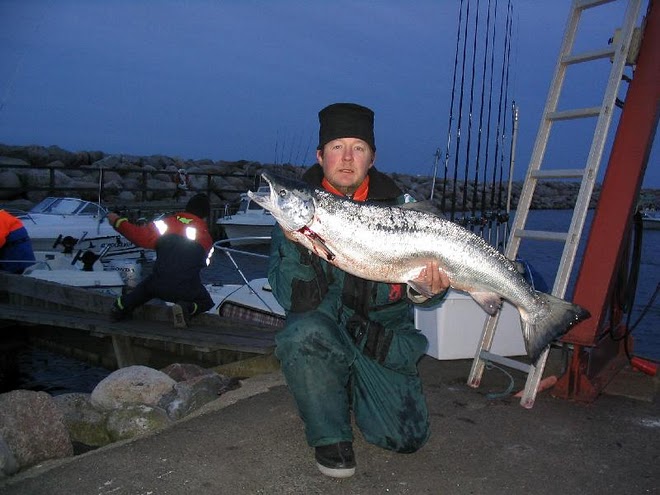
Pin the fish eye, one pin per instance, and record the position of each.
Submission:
(282, 193)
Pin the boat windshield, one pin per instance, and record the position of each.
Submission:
(67, 206)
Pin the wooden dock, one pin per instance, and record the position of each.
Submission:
(26, 300)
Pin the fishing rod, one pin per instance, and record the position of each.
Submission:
(98, 205)
(481, 117)
(502, 218)
(277, 140)
(488, 119)
(512, 161)
(469, 133)
(460, 118)
(435, 172)
(451, 107)
(497, 133)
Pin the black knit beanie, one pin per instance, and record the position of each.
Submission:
(342, 120)
(199, 205)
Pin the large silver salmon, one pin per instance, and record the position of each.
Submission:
(393, 245)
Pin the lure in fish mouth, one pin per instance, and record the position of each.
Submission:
(392, 245)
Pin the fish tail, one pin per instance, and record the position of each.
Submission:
(553, 321)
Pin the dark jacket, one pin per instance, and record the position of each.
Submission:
(180, 255)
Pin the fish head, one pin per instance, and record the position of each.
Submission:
(291, 202)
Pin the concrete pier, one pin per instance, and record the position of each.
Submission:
(251, 441)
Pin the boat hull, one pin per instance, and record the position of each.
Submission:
(237, 233)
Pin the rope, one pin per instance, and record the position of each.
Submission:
(627, 287)
(509, 389)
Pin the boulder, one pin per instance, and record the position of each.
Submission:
(136, 420)
(8, 161)
(8, 462)
(192, 394)
(35, 177)
(86, 424)
(33, 427)
(181, 372)
(9, 178)
(126, 196)
(131, 385)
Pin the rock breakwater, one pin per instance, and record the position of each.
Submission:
(29, 173)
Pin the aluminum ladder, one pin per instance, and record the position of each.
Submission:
(617, 51)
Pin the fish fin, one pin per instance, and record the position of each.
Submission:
(557, 319)
(489, 301)
(423, 289)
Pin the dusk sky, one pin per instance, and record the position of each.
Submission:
(245, 79)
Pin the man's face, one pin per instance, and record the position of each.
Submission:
(345, 163)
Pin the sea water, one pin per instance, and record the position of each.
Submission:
(544, 257)
(44, 370)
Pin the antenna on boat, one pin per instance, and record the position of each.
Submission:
(435, 172)
(98, 205)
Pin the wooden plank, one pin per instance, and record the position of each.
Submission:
(74, 297)
(201, 337)
(123, 351)
(45, 293)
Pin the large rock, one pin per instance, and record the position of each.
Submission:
(181, 372)
(131, 385)
(136, 420)
(192, 394)
(86, 424)
(8, 161)
(195, 387)
(8, 462)
(33, 427)
(9, 178)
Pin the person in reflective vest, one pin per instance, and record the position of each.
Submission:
(183, 247)
(16, 252)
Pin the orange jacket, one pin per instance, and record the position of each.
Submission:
(8, 223)
(147, 236)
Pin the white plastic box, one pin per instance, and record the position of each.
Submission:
(454, 328)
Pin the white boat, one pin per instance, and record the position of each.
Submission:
(252, 300)
(250, 221)
(650, 219)
(74, 224)
(69, 269)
